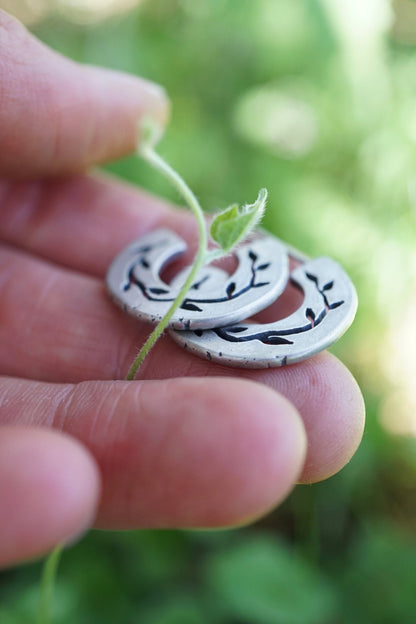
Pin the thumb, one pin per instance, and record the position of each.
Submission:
(57, 116)
(49, 488)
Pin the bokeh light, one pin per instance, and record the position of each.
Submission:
(80, 11)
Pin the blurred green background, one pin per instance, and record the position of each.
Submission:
(316, 100)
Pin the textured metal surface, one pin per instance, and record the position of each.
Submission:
(215, 299)
(328, 309)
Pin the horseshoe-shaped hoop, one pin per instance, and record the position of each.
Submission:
(328, 309)
(216, 298)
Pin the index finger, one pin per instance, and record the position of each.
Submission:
(57, 116)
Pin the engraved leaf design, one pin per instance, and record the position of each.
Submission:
(158, 291)
(275, 340)
(312, 277)
(310, 314)
(236, 329)
(187, 305)
(332, 306)
(230, 289)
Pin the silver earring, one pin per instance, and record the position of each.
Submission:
(210, 318)
(328, 309)
(214, 300)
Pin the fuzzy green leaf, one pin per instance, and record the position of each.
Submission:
(234, 224)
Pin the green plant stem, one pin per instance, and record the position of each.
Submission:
(200, 258)
(47, 585)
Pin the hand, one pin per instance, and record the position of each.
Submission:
(192, 443)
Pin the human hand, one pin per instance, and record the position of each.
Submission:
(191, 444)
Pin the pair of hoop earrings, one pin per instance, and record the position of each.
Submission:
(211, 320)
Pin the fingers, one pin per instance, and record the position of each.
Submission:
(175, 453)
(59, 326)
(333, 412)
(84, 221)
(49, 488)
(57, 116)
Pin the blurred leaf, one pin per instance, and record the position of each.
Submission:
(21, 609)
(277, 120)
(261, 580)
(181, 609)
(380, 580)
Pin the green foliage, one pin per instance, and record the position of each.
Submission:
(380, 577)
(277, 93)
(177, 609)
(233, 225)
(262, 580)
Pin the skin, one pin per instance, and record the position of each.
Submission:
(189, 443)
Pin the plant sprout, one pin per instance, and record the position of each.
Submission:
(228, 228)
(47, 585)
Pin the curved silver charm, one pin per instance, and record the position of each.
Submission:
(215, 299)
(328, 309)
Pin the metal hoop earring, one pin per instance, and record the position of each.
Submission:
(214, 300)
(328, 309)
(209, 321)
